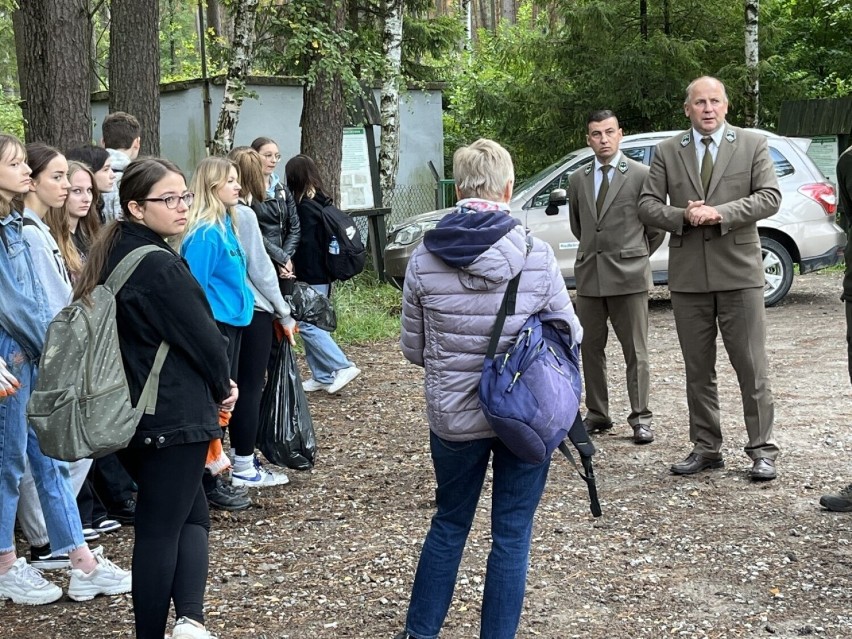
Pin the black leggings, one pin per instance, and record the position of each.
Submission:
(255, 346)
(172, 523)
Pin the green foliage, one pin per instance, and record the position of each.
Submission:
(531, 85)
(367, 310)
(11, 118)
(180, 58)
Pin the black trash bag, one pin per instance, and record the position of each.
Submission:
(309, 305)
(286, 432)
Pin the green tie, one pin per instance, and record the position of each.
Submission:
(706, 164)
(604, 188)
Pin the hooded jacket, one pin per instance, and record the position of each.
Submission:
(454, 286)
(112, 207)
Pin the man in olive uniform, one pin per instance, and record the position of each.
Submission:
(613, 272)
(708, 186)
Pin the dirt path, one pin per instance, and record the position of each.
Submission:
(333, 554)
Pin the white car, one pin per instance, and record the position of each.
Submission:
(803, 232)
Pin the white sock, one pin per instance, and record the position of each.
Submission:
(243, 463)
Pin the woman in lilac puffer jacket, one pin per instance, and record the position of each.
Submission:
(454, 286)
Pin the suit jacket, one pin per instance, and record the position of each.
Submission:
(743, 188)
(612, 258)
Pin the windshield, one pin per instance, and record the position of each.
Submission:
(523, 188)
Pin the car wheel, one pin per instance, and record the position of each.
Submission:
(777, 270)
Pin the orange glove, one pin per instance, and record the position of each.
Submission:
(217, 461)
(287, 332)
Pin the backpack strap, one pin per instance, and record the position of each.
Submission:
(148, 399)
(125, 268)
(507, 307)
(118, 278)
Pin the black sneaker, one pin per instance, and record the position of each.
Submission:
(42, 559)
(123, 513)
(226, 497)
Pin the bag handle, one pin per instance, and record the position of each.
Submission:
(507, 307)
(148, 399)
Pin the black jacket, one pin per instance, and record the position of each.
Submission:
(279, 225)
(163, 301)
(309, 260)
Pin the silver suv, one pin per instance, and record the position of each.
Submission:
(803, 231)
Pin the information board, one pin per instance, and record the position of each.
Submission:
(356, 185)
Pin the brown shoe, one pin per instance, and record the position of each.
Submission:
(642, 434)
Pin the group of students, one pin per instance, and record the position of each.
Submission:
(230, 248)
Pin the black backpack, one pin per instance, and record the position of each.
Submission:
(345, 253)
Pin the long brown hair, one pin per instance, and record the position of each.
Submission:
(137, 181)
(250, 167)
(59, 221)
(9, 145)
(303, 177)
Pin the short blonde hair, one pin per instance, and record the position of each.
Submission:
(483, 169)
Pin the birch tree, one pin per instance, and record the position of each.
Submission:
(245, 14)
(389, 104)
(752, 105)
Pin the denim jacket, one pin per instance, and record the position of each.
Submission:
(24, 313)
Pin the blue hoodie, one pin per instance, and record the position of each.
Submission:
(217, 261)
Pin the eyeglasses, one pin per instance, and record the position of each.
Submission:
(271, 156)
(171, 201)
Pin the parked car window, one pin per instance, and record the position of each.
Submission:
(561, 182)
(782, 165)
(637, 153)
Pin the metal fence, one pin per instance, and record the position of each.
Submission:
(411, 199)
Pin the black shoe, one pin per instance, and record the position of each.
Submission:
(763, 469)
(596, 427)
(106, 525)
(695, 463)
(642, 434)
(840, 502)
(403, 635)
(123, 513)
(226, 497)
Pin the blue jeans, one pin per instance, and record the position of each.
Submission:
(460, 469)
(321, 351)
(17, 443)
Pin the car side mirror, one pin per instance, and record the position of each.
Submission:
(558, 197)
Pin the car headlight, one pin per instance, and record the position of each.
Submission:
(412, 233)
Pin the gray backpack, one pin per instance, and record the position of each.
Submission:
(81, 405)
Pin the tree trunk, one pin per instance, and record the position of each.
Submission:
(324, 113)
(752, 49)
(214, 17)
(507, 10)
(667, 18)
(52, 41)
(467, 16)
(134, 66)
(643, 19)
(389, 107)
(239, 64)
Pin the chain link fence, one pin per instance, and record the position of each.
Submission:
(412, 199)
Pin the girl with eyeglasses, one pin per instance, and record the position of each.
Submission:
(162, 301)
(277, 216)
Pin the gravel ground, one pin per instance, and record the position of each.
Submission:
(333, 554)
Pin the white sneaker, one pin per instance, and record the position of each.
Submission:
(189, 629)
(105, 579)
(24, 584)
(310, 385)
(259, 477)
(342, 378)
